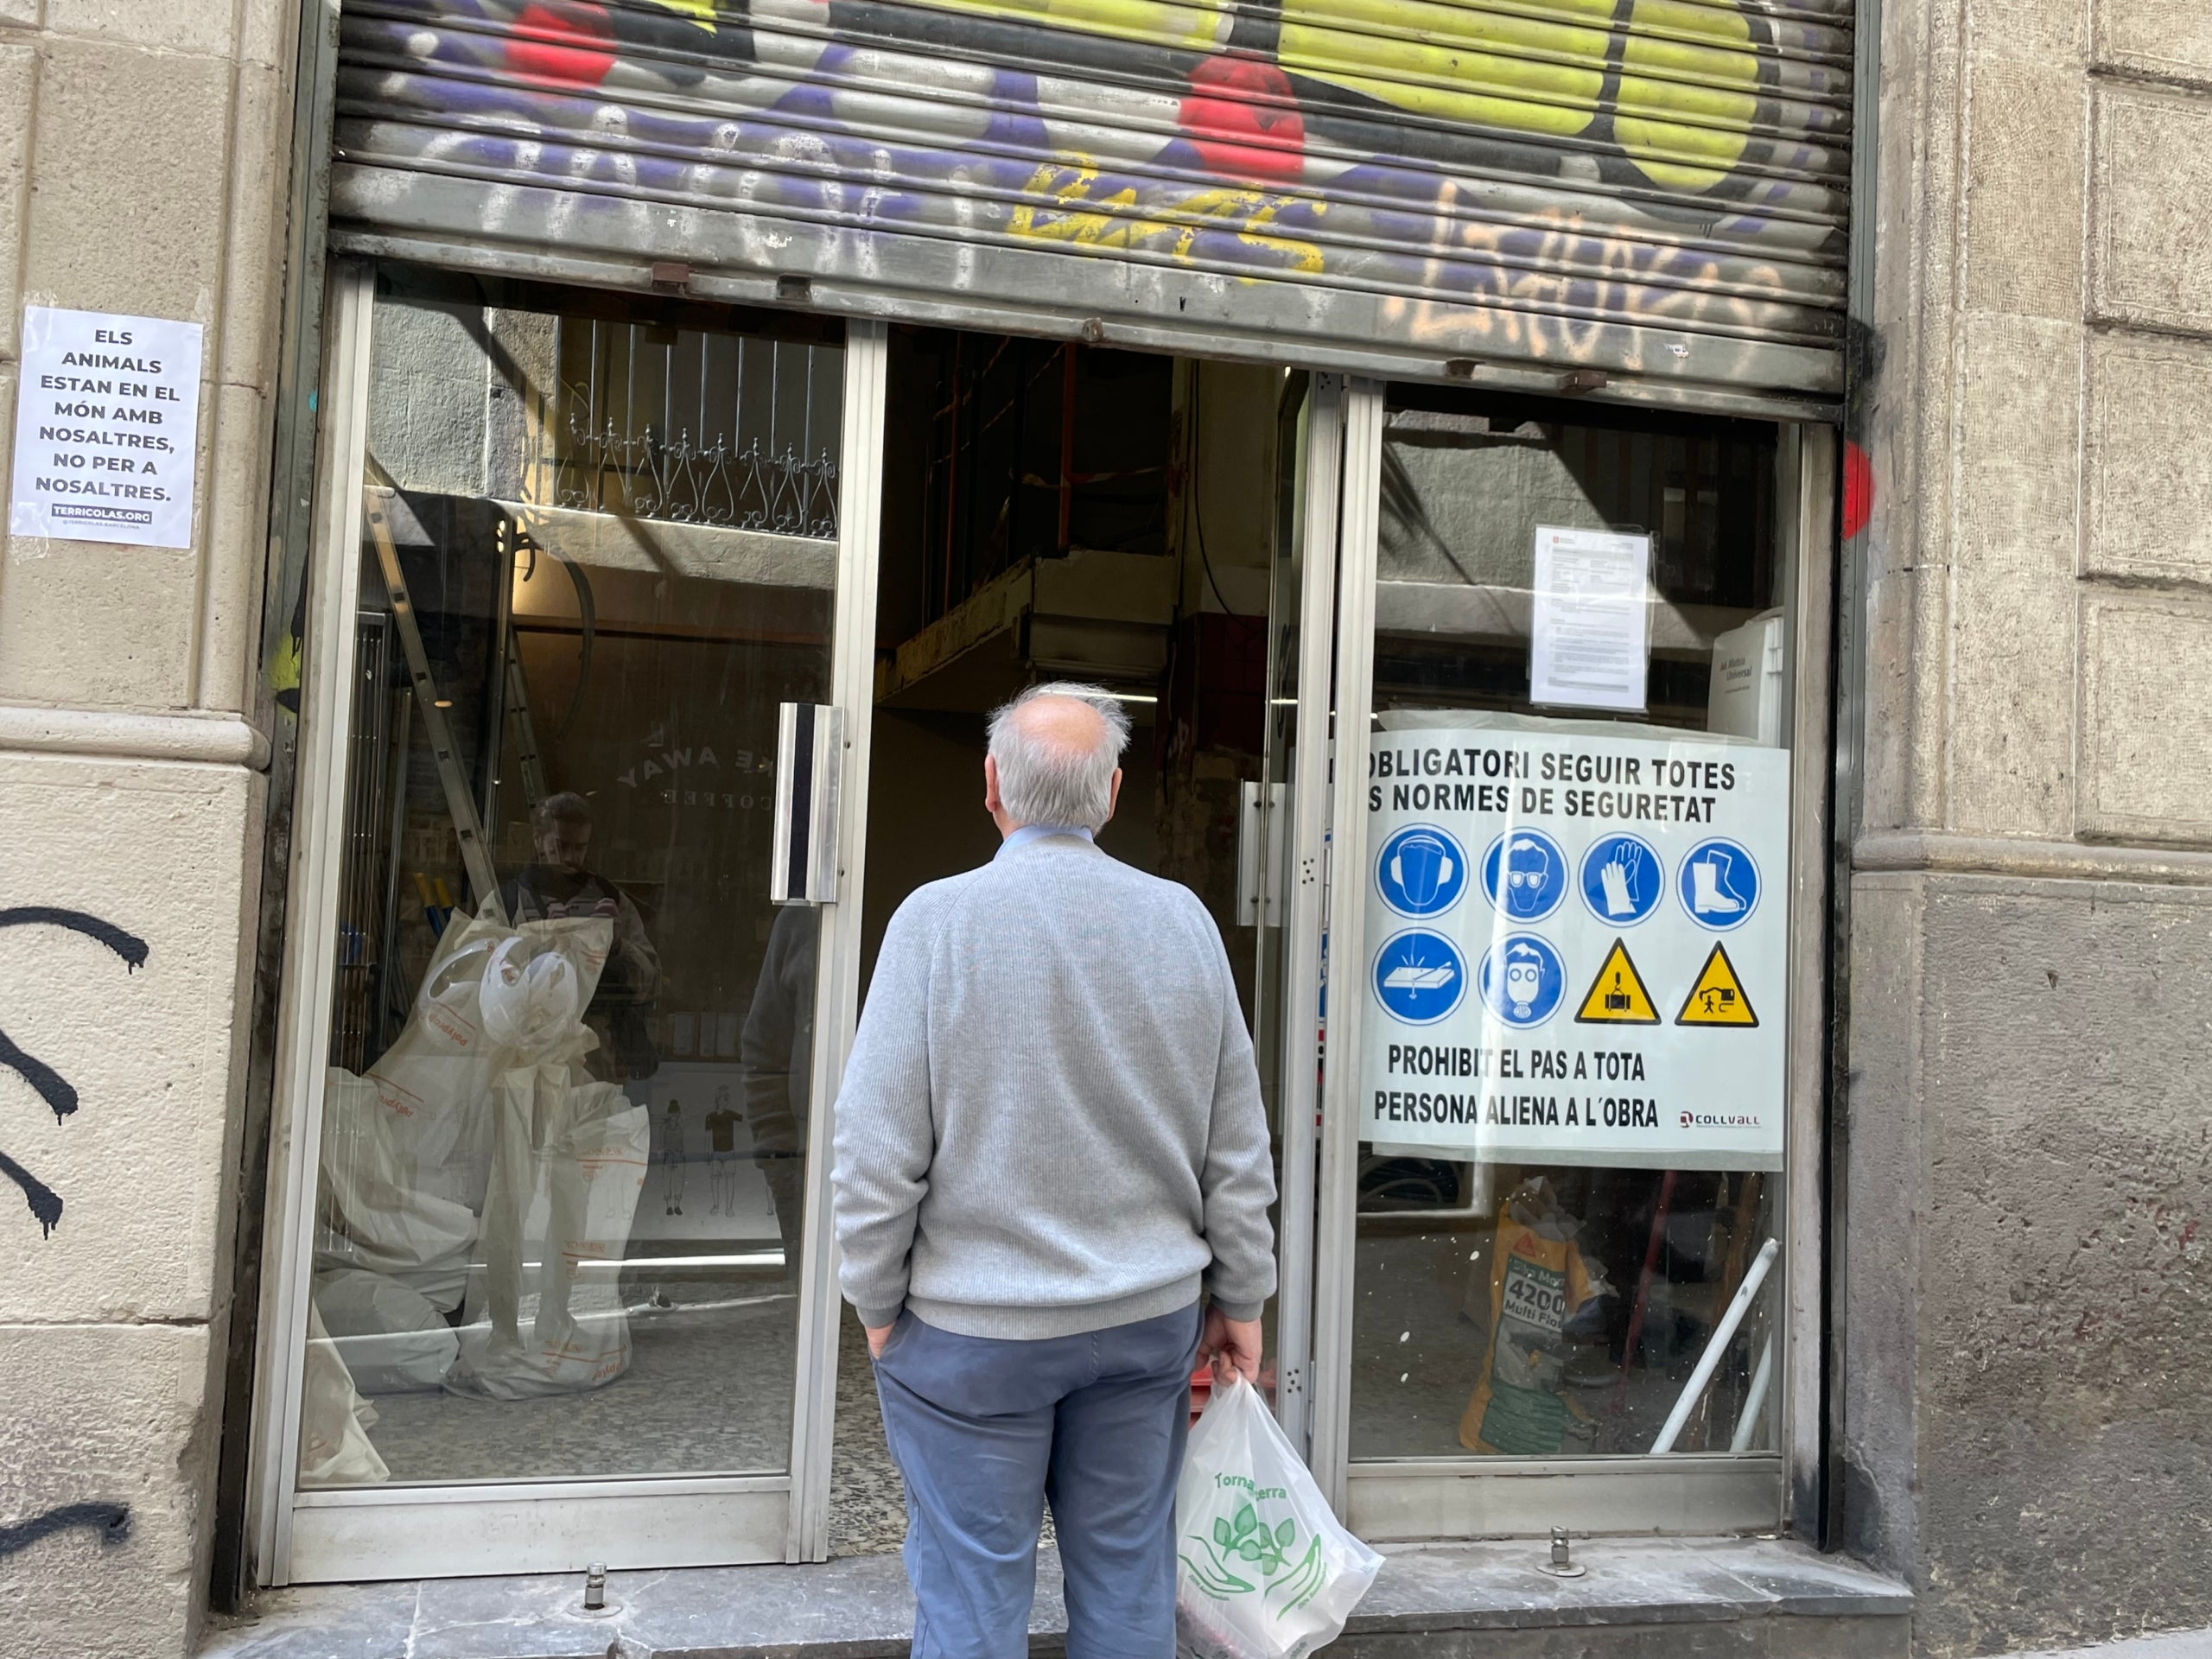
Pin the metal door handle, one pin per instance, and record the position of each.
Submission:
(1261, 827)
(810, 759)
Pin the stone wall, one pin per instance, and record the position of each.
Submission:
(144, 147)
(2026, 1438)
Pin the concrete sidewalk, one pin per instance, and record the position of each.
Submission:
(1777, 1600)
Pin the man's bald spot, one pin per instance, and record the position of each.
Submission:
(1071, 725)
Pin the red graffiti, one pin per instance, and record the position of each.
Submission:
(573, 44)
(1858, 489)
(1242, 118)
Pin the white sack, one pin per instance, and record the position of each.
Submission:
(584, 1146)
(335, 1449)
(371, 1218)
(407, 1148)
(435, 1080)
(391, 1337)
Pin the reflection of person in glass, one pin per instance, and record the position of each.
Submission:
(779, 1054)
(671, 1160)
(558, 883)
(722, 1132)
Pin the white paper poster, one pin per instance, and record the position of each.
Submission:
(107, 419)
(1590, 623)
(1577, 948)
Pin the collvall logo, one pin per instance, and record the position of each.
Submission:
(1720, 1120)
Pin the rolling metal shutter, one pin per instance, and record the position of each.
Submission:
(1655, 188)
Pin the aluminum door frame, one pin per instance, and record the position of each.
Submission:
(507, 1527)
(1404, 1500)
(836, 1006)
(1297, 1079)
(334, 583)
(1344, 907)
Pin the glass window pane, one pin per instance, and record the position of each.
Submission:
(1513, 1296)
(562, 1155)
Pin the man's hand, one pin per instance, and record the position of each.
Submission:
(878, 1337)
(1232, 1346)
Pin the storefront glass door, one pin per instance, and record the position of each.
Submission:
(1495, 708)
(1573, 917)
(551, 1284)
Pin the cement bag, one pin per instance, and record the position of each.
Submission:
(569, 1160)
(1263, 1569)
(371, 1217)
(335, 1421)
(1539, 1280)
(435, 1079)
(391, 1338)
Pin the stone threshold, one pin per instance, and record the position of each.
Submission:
(1427, 1599)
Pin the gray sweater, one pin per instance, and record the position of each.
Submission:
(1050, 1122)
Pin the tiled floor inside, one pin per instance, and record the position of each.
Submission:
(867, 1501)
(709, 1387)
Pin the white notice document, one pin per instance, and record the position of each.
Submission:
(107, 424)
(1590, 628)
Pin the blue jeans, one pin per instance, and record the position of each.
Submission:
(985, 1430)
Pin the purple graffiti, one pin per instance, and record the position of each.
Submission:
(1711, 196)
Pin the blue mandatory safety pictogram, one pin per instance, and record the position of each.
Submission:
(1720, 884)
(1421, 871)
(1523, 979)
(1419, 976)
(1524, 874)
(1622, 880)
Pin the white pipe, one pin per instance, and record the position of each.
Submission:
(1755, 1401)
(1718, 1345)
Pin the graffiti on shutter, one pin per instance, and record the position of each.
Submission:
(1663, 164)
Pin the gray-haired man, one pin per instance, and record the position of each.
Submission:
(1049, 1139)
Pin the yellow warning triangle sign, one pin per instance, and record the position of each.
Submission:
(1717, 998)
(1617, 996)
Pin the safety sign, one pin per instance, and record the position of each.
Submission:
(1419, 977)
(1574, 958)
(1621, 881)
(1717, 998)
(1618, 996)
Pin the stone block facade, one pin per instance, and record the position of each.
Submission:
(2027, 1145)
(143, 154)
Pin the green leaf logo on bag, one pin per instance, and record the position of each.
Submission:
(1243, 1542)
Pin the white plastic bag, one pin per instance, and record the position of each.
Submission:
(1263, 1569)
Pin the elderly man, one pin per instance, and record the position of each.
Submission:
(1049, 1141)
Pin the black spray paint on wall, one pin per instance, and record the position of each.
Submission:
(111, 1520)
(52, 1087)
